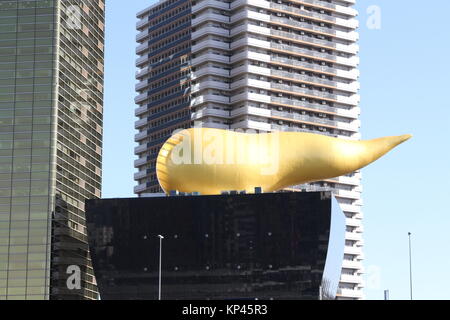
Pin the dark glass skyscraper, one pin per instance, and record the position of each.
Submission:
(51, 106)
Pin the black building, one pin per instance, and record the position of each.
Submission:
(265, 246)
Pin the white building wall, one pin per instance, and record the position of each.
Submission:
(289, 66)
(275, 65)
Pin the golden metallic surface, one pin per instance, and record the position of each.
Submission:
(210, 161)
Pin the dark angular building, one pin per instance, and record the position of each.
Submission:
(255, 246)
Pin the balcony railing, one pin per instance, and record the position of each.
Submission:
(310, 92)
(292, 75)
(200, 5)
(302, 12)
(305, 25)
(295, 49)
(292, 35)
(304, 118)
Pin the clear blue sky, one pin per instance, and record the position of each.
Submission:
(405, 72)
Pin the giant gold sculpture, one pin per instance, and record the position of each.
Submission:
(211, 161)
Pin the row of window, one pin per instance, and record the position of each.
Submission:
(78, 96)
(12, 5)
(79, 102)
(173, 116)
(167, 66)
(26, 20)
(163, 107)
(298, 6)
(166, 133)
(168, 54)
(73, 212)
(178, 75)
(66, 167)
(169, 14)
(303, 20)
(87, 171)
(89, 13)
(71, 39)
(293, 85)
(170, 39)
(69, 123)
(72, 69)
(73, 189)
(168, 92)
(170, 27)
(25, 12)
(25, 69)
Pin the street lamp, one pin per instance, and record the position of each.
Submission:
(160, 262)
(410, 267)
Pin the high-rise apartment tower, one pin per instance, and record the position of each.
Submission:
(51, 106)
(286, 65)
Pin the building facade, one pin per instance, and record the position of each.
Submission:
(267, 246)
(253, 64)
(51, 106)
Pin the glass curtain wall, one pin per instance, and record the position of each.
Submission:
(27, 99)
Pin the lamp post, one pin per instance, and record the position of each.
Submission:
(160, 263)
(410, 267)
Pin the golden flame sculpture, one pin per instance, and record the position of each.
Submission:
(210, 161)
